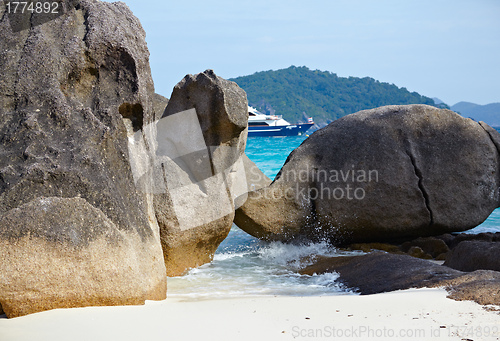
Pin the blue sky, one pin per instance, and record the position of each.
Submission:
(448, 49)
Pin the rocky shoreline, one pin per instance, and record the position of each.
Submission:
(107, 188)
(379, 272)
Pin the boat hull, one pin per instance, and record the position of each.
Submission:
(289, 130)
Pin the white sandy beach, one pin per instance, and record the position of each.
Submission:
(423, 314)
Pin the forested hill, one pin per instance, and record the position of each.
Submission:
(298, 92)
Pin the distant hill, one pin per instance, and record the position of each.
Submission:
(440, 104)
(298, 92)
(489, 113)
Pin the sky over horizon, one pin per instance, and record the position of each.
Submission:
(449, 49)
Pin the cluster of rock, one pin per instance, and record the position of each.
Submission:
(107, 188)
(80, 224)
(378, 272)
(463, 252)
(466, 252)
(398, 179)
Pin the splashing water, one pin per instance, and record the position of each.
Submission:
(244, 265)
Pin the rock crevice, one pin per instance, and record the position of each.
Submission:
(421, 186)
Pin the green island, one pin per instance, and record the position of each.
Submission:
(298, 93)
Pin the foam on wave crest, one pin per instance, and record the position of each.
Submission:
(244, 265)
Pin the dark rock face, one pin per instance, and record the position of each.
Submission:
(466, 258)
(432, 246)
(159, 104)
(62, 129)
(475, 255)
(389, 173)
(368, 247)
(379, 272)
(71, 93)
(203, 170)
(453, 241)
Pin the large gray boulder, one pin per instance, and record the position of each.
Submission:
(73, 91)
(387, 173)
(200, 140)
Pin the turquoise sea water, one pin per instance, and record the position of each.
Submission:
(243, 265)
(492, 224)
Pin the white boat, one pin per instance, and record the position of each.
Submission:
(260, 124)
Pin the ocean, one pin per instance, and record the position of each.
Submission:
(244, 265)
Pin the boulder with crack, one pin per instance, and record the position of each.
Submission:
(388, 173)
